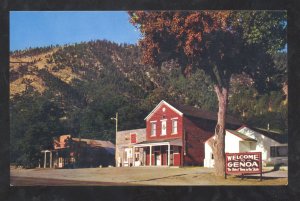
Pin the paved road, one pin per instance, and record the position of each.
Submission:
(277, 174)
(273, 174)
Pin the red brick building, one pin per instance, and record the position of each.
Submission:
(175, 136)
(71, 152)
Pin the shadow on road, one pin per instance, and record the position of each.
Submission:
(152, 179)
(257, 177)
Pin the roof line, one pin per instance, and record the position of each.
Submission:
(277, 137)
(91, 139)
(131, 130)
(230, 131)
(243, 126)
(159, 104)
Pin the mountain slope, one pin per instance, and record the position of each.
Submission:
(92, 75)
(69, 64)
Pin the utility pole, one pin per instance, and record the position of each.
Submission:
(116, 119)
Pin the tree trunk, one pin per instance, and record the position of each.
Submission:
(219, 141)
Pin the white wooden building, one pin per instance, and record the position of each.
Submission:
(273, 146)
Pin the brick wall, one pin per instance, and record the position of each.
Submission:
(196, 133)
(123, 139)
(164, 112)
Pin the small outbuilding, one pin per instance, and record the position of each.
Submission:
(69, 152)
(272, 145)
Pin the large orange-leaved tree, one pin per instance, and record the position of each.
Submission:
(222, 43)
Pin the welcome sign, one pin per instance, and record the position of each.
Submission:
(243, 163)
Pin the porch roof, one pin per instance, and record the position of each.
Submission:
(177, 142)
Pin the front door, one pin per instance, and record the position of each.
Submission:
(137, 161)
(127, 156)
(158, 158)
(60, 162)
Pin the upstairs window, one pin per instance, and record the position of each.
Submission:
(153, 128)
(174, 126)
(164, 127)
(133, 138)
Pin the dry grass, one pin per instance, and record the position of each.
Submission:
(192, 176)
(31, 76)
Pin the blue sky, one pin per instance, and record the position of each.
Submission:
(38, 28)
(43, 28)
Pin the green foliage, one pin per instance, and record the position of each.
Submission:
(34, 122)
(268, 29)
(243, 101)
(196, 91)
(259, 110)
(113, 79)
(280, 64)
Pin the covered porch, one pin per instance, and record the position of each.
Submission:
(163, 153)
(48, 159)
(55, 158)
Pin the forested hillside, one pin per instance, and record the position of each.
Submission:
(77, 88)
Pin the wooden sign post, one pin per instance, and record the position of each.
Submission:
(243, 163)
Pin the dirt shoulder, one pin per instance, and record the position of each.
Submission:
(188, 176)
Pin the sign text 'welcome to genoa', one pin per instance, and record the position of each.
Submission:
(241, 163)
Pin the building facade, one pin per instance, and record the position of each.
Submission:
(124, 147)
(174, 136)
(273, 146)
(69, 152)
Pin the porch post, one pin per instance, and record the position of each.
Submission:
(169, 154)
(123, 156)
(45, 157)
(150, 155)
(50, 159)
(144, 157)
(133, 156)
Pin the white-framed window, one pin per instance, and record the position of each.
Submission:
(174, 126)
(279, 151)
(153, 128)
(164, 127)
